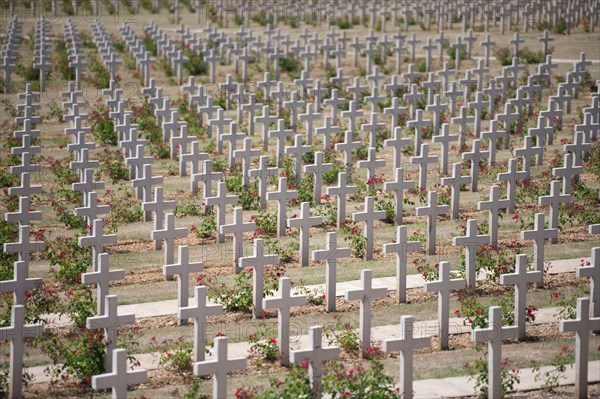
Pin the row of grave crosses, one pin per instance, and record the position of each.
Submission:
(9, 52)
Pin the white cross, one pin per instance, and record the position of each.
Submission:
(493, 205)
(554, 200)
(183, 270)
(327, 130)
(368, 216)
(21, 283)
(97, 240)
(237, 228)
(121, 377)
(330, 255)
(475, 156)
(539, 234)
(282, 196)
(347, 147)
(219, 366)
(520, 279)
(445, 139)
(110, 321)
(432, 210)
(582, 325)
(221, 200)
(102, 278)
(593, 272)
(455, 182)
(423, 160)
(199, 311)
(470, 241)
(169, 234)
(568, 171)
(401, 247)
(317, 169)
(283, 302)
(493, 135)
(494, 335)
(396, 142)
(341, 191)
(304, 222)
(443, 286)
(315, 356)
(25, 189)
(263, 172)
(17, 333)
(298, 150)
(398, 186)
(24, 247)
(24, 216)
(406, 344)
(365, 295)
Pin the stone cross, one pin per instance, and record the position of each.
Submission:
(463, 121)
(257, 264)
(282, 196)
(512, 176)
(554, 200)
(315, 356)
(102, 278)
(368, 216)
(527, 152)
(520, 279)
(144, 184)
(237, 228)
(445, 139)
(423, 160)
(418, 124)
(327, 130)
(183, 270)
(398, 186)
(298, 150)
(396, 142)
(120, 378)
(199, 311)
(401, 247)
(567, 171)
(470, 241)
(193, 157)
(341, 190)
(87, 184)
(21, 283)
(221, 200)
(444, 286)
(493, 205)
(493, 135)
(17, 333)
(475, 156)
(281, 133)
(110, 321)
(582, 326)
(432, 210)
(317, 169)
(347, 147)
(219, 366)
(169, 234)
(304, 222)
(330, 255)
(283, 303)
(263, 172)
(157, 208)
(455, 182)
(246, 155)
(539, 234)
(365, 295)
(406, 344)
(494, 335)
(24, 247)
(371, 163)
(26, 189)
(593, 272)
(97, 240)
(488, 44)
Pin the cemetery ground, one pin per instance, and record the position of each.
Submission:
(145, 281)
